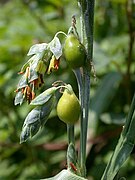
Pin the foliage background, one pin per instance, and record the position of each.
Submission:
(26, 22)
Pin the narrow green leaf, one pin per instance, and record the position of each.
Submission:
(124, 147)
(55, 47)
(129, 117)
(44, 97)
(121, 153)
(37, 48)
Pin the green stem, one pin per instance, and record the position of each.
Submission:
(85, 101)
(70, 133)
(87, 16)
(71, 154)
(83, 132)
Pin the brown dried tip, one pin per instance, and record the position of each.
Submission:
(21, 72)
(16, 91)
(73, 166)
(56, 64)
(73, 20)
(33, 95)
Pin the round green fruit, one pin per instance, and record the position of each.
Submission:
(74, 51)
(68, 107)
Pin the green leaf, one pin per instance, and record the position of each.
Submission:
(124, 147)
(33, 67)
(26, 64)
(41, 67)
(34, 58)
(25, 134)
(44, 97)
(55, 47)
(18, 98)
(102, 98)
(36, 119)
(37, 48)
(66, 175)
(23, 82)
(106, 90)
(33, 73)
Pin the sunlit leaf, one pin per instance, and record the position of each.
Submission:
(36, 119)
(26, 65)
(41, 67)
(33, 59)
(55, 47)
(44, 97)
(18, 98)
(33, 75)
(66, 175)
(33, 68)
(37, 48)
(23, 82)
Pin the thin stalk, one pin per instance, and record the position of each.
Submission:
(71, 157)
(85, 101)
(83, 133)
(70, 133)
(83, 77)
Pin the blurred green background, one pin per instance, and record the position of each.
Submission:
(26, 22)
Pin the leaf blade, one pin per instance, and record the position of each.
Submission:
(36, 119)
(37, 48)
(55, 47)
(66, 175)
(44, 97)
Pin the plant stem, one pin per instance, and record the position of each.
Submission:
(70, 133)
(85, 101)
(83, 133)
(83, 75)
